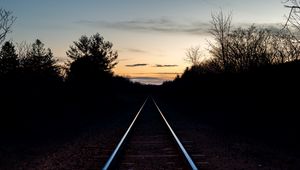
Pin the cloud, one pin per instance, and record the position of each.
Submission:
(274, 27)
(167, 25)
(136, 50)
(162, 25)
(167, 65)
(153, 78)
(148, 80)
(136, 65)
(172, 73)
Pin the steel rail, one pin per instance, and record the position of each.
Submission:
(183, 150)
(115, 152)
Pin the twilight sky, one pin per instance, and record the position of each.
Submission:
(151, 36)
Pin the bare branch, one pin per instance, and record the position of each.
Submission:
(292, 24)
(194, 55)
(293, 7)
(6, 21)
(288, 18)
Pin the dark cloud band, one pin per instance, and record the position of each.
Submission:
(165, 25)
(167, 65)
(162, 25)
(136, 65)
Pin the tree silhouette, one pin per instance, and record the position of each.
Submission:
(221, 27)
(194, 55)
(285, 47)
(9, 61)
(93, 58)
(244, 49)
(249, 49)
(6, 21)
(40, 61)
(292, 23)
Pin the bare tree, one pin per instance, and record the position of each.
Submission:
(292, 24)
(249, 48)
(221, 27)
(294, 11)
(285, 47)
(6, 21)
(194, 55)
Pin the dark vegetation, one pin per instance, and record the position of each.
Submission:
(41, 100)
(250, 86)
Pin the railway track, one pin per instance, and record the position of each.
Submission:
(150, 143)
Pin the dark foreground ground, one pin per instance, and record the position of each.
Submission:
(224, 148)
(89, 146)
(82, 140)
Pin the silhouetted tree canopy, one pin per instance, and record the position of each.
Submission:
(244, 49)
(40, 61)
(93, 58)
(9, 61)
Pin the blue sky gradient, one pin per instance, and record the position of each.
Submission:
(154, 32)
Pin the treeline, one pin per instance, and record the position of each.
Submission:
(36, 63)
(245, 49)
(249, 84)
(90, 59)
(40, 95)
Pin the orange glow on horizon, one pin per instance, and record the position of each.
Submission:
(164, 73)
